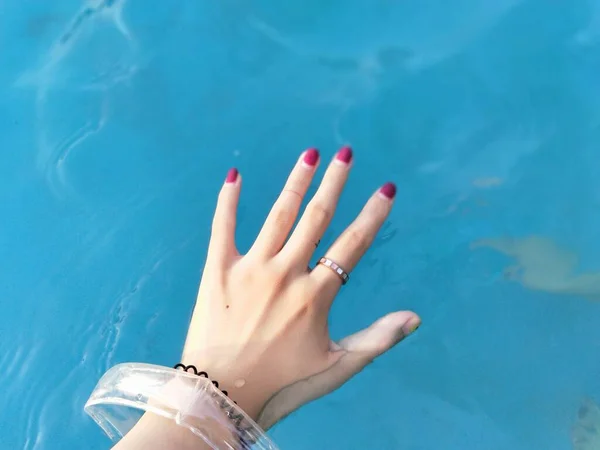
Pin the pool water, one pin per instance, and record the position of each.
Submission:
(119, 120)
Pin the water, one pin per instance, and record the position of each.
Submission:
(119, 120)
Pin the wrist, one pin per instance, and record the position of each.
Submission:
(246, 395)
(179, 407)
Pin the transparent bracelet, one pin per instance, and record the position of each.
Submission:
(129, 390)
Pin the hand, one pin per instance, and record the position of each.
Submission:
(259, 326)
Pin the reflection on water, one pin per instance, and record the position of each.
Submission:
(543, 265)
(97, 34)
(586, 432)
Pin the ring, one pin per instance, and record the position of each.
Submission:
(336, 268)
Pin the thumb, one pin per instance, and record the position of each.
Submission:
(382, 335)
(351, 355)
(360, 349)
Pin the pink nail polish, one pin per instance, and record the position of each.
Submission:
(344, 155)
(232, 175)
(311, 156)
(389, 190)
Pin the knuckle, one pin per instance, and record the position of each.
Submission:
(292, 194)
(320, 212)
(357, 239)
(377, 210)
(283, 217)
(278, 272)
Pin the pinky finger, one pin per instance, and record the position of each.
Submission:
(222, 240)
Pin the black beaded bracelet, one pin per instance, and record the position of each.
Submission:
(246, 441)
(194, 370)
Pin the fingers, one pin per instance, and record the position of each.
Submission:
(319, 211)
(357, 238)
(222, 239)
(285, 210)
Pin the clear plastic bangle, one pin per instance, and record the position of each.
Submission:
(129, 390)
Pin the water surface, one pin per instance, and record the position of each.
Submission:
(119, 120)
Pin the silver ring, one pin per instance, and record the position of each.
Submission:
(336, 268)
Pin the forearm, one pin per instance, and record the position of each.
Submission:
(154, 432)
(181, 411)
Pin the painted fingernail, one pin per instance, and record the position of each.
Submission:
(231, 175)
(388, 190)
(344, 155)
(311, 156)
(411, 327)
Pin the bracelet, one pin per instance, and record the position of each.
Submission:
(200, 374)
(229, 410)
(188, 397)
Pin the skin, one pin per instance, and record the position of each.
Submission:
(259, 325)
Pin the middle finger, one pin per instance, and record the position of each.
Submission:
(283, 214)
(319, 211)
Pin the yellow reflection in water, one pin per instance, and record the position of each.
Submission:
(543, 265)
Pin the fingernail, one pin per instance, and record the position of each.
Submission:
(411, 327)
(231, 175)
(388, 190)
(344, 155)
(311, 156)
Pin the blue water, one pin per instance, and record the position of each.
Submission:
(119, 120)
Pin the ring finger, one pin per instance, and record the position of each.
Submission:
(347, 250)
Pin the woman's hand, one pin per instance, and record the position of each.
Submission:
(259, 326)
